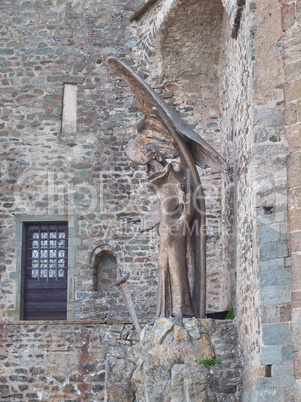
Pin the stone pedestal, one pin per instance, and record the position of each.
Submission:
(162, 367)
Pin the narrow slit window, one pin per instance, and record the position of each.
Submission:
(69, 109)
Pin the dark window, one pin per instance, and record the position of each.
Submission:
(45, 296)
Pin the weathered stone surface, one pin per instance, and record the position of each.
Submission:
(296, 277)
(275, 334)
(287, 16)
(296, 314)
(157, 333)
(192, 326)
(225, 341)
(180, 334)
(58, 361)
(270, 354)
(118, 383)
(165, 367)
(189, 383)
(185, 351)
(297, 365)
(293, 90)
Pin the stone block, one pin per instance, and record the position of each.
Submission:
(296, 298)
(15, 275)
(279, 370)
(269, 234)
(296, 318)
(291, 116)
(267, 133)
(266, 395)
(275, 334)
(266, 220)
(275, 277)
(297, 365)
(4, 391)
(293, 90)
(293, 136)
(287, 353)
(264, 382)
(275, 295)
(294, 200)
(295, 242)
(118, 379)
(287, 16)
(289, 394)
(180, 334)
(271, 264)
(298, 11)
(270, 314)
(270, 354)
(6, 52)
(284, 382)
(298, 390)
(159, 330)
(192, 327)
(272, 251)
(285, 313)
(187, 382)
(268, 117)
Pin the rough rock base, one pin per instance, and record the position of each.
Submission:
(163, 366)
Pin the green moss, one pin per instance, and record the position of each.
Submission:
(210, 362)
(230, 315)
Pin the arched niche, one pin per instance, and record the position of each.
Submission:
(105, 271)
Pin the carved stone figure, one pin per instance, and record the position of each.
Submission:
(180, 211)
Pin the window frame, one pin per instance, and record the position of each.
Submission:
(19, 274)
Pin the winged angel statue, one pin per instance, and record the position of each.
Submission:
(171, 150)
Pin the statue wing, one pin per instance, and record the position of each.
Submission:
(145, 99)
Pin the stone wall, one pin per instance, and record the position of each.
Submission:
(52, 173)
(240, 231)
(290, 24)
(253, 126)
(233, 74)
(43, 361)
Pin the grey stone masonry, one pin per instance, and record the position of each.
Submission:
(82, 176)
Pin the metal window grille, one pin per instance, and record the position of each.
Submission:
(47, 252)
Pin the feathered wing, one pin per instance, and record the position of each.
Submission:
(145, 99)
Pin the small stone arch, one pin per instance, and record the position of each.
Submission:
(105, 271)
(106, 261)
(105, 266)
